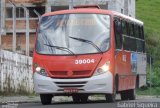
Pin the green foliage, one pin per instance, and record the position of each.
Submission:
(148, 11)
(149, 91)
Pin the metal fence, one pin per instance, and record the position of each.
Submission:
(153, 78)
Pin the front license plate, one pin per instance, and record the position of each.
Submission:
(71, 90)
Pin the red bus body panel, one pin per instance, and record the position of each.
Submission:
(65, 67)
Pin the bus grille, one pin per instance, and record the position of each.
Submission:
(71, 84)
(71, 74)
(55, 73)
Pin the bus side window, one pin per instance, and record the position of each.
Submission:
(139, 32)
(132, 30)
(142, 30)
(118, 33)
(142, 33)
(140, 43)
(129, 41)
(136, 31)
(124, 27)
(129, 29)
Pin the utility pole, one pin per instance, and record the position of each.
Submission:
(150, 75)
(14, 26)
(71, 4)
(27, 29)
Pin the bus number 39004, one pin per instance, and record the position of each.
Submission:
(84, 61)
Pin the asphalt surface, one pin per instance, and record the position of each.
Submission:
(139, 103)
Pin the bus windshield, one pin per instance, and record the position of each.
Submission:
(73, 34)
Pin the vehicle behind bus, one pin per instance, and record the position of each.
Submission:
(87, 51)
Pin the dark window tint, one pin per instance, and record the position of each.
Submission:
(139, 31)
(140, 46)
(118, 33)
(124, 27)
(132, 30)
(142, 33)
(129, 29)
(136, 31)
(130, 34)
(129, 44)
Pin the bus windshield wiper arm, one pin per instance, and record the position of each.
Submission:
(61, 48)
(87, 41)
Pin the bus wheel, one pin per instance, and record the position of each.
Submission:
(46, 99)
(80, 98)
(111, 97)
(84, 98)
(76, 98)
(132, 94)
(124, 95)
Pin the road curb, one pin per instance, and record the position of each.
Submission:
(18, 102)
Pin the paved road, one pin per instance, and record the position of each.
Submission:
(139, 103)
(100, 104)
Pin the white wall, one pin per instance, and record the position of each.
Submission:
(116, 5)
(2, 15)
(15, 73)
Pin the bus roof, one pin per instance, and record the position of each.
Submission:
(127, 17)
(93, 10)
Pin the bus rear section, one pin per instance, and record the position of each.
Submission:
(75, 56)
(130, 56)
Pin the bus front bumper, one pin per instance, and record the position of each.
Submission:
(96, 84)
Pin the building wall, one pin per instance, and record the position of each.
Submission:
(16, 73)
(21, 41)
(124, 6)
(131, 8)
(2, 16)
(27, 1)
(7, 18)
(128, 6)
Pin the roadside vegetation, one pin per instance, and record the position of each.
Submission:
(148, 11)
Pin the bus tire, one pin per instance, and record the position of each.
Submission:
(46, 99)
(76, 98)
(84, 98)
(132, 94)
(124, 95)
(80, 98)
(111, 97)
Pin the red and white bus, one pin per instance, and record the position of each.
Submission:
(87, 51)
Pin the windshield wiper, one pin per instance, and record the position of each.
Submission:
(61, 48)
(87, 41)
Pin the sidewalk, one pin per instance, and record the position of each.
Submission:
(36, 99)
(29, 99)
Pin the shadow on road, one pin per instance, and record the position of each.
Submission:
(71, 104)
(89, 102)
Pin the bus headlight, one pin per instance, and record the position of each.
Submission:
(103, 69)
(41, 71)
